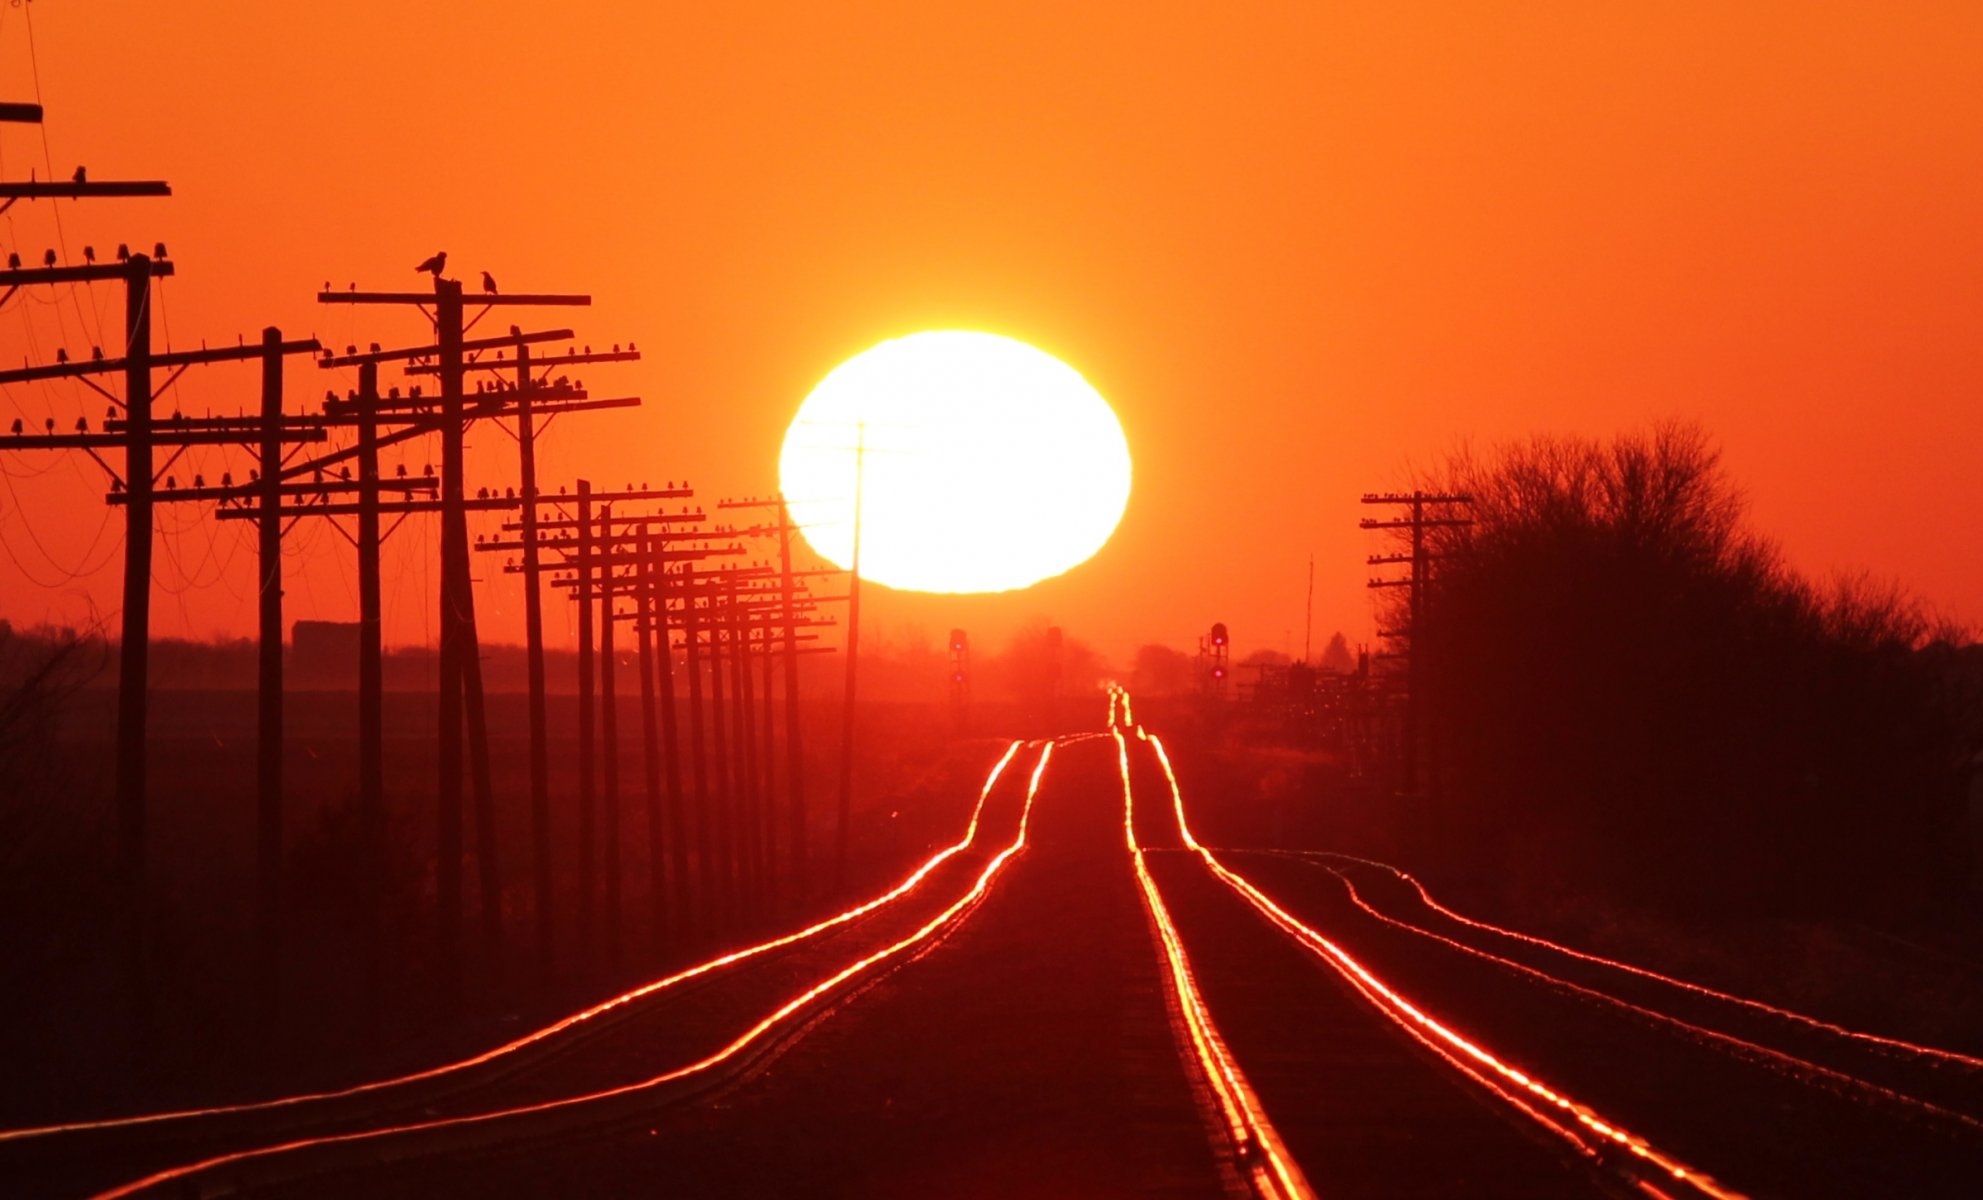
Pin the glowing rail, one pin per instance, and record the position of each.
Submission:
(1544, 1104)
(1790, 1063)
(552, 1030)
(1791, 1015)
(1270, 1169)
(731, 1050)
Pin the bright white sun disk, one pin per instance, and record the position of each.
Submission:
(984, 464)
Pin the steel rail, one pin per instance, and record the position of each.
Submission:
(549, 1031)
(505, 1125)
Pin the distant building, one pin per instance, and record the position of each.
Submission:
(323, 655)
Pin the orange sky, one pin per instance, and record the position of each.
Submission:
(1298, 247)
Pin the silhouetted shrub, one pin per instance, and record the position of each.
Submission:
(1631, 690)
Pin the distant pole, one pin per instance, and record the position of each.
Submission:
(767, 754)
(723, 805)
(705, 849)
(133, 649)
(1308, 626)
(609, 744)
(488, 852)
(1414, 681)
(454, 529)
(795, 775)
(585, 739)
(268, 711)
(752, 842)
(853, 656)
(678, 842)
(371, 689)
(533, 634)
(642, 582)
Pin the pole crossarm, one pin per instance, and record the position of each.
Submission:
(163, 437)
(29, 276)
(389, 508)
(621, 497)
(618, 519)
(404, 353)
(422, 424)
(531, 299)
(627, 582)
(550, 360)
(179, 358)
(1408, 523)
(1384, 583)
(16, 113)
(252, 491)
(395, 403)
(562, 544)
(1416, 498)
(80, 191)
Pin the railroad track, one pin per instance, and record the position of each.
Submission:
(1316, 1024)
(668, 1040)
(1654, 1083)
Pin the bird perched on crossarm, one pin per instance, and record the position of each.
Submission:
(488, 283)
(435, 265)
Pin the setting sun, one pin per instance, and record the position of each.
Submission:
(983, 464)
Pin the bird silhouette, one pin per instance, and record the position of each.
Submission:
(17, 424)
(435, 265)
(61, 355)
(516, 331)
(13, 262)
(488, 283)
(96, 353)
(82, 175)
(48, 258)
(89, 254)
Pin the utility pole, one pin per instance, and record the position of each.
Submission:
(460, 667)
(795, 821)
(139, 436)
(133, 662)
(586, 761)
(525, 387)
(596, 548)
(845, 814)
(1415, 523)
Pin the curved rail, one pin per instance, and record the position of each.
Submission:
(554, 1029)
(502, 1124)
(1897, 1046)
(1576, 1123)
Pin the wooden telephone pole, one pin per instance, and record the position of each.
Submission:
(525, 382)
(139, 434)
(460, 700)
(1416, 520)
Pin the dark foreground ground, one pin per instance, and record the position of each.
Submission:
(1033, 1046)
